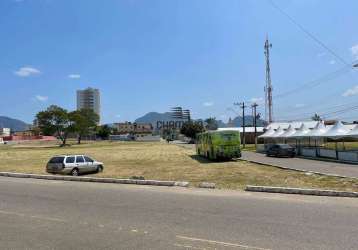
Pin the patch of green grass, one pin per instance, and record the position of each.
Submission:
(162, 161)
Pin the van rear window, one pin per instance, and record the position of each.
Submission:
(57, 160)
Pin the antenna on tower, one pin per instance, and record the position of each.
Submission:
(268, 87)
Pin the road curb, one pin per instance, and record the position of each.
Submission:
(207, 185)
(301, 191)
(96, 179)
(299, 170)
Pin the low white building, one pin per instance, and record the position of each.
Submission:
(5, 131)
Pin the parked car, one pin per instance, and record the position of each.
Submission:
(281, 150)
(73, 165)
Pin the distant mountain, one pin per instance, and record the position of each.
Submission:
(13, 124)
(153, 117)
(221, 124)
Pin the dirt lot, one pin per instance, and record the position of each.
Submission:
(165, 162)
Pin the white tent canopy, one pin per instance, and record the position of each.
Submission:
(278, 133)
(317, 131)
(289, 132)
(268, 133)
(336, 132)
(307, 130)
(354, 132)
(295, 125)
(302, 131)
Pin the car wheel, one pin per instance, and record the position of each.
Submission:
(99, 169)
(75, 172)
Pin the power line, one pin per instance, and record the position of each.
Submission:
(327, 114)
(308, 33)
(320, 110)
(314, 83)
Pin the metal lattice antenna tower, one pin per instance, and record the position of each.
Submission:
(268, 87)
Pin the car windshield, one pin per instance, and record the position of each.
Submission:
(285, 146)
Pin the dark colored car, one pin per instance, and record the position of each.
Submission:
(281, 150)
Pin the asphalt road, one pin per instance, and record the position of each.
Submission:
(42, 214)
(325, 167)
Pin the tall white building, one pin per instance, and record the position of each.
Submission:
(89, 99)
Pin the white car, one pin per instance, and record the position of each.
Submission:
(73, 164)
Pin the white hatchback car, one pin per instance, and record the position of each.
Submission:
(73, 164)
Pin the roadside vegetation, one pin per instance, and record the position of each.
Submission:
(163, 161)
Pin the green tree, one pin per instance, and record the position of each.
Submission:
(54, 121)
(84, 122)
(211, 123)
(103, 131)
(316, 117)
(190, 129)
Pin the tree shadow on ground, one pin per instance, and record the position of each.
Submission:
(204, 160)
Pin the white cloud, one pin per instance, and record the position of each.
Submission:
(41, 98)
(258, 100)
(27, 71)
(223, 116)
(321, 54)
(332, 62)
(354, 51)
(208, 104)
(351, 92)
(300, 105)
(74, 76)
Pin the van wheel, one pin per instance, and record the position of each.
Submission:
(75, 172)
(99, 169)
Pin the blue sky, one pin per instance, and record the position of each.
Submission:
(152, 55)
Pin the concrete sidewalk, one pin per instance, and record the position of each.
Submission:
(329, 168)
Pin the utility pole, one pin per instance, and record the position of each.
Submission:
(268, 87)
(254, 106)
(242, 105)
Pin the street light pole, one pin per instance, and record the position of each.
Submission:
(242, 105)
(254, 106)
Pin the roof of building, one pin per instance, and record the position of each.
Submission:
(247, 129)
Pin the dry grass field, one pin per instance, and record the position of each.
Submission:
(163, 161)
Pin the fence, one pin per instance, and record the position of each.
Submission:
(350, 156)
